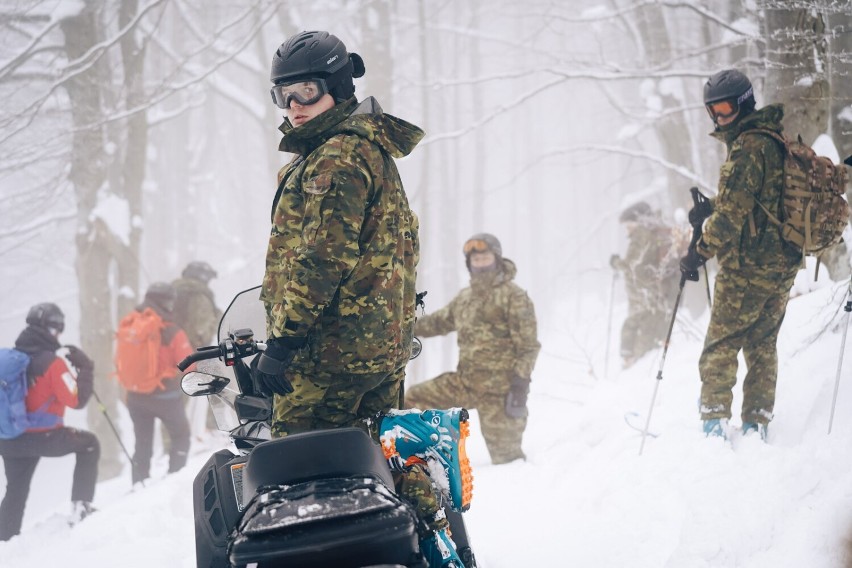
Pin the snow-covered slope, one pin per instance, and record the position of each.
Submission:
(585, 497)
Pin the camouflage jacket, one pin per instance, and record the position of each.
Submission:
(343, 250)
(496, 325)
(738, 232)
(196, 312)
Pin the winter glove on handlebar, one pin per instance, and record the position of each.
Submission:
(516, 399)
(267, 369)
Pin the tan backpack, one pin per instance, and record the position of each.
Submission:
(814, 211)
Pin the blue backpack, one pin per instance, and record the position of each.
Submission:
(14, 418)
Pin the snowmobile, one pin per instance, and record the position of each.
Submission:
(315, 499)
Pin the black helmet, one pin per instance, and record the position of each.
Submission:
(729, 85)
(46, 315)
(199, 270)
(635, 212)
(317, 55)
(162, 295)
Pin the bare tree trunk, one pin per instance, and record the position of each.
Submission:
(376, 50)
(796, 72)
(671, 129)
(135, 153)
(88, 174)
(840, 72)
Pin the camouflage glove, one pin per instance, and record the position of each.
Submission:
(690, 264)
(516, 398)
(267, 369)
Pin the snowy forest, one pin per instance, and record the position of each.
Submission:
(139, 135)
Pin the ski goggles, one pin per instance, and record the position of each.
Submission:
(722, 109)
(305, 92)
(475, 245)
(728, 107)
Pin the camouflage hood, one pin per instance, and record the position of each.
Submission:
(769, 117)
(393, 135)
(506, 271)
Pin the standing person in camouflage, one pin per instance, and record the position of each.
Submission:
(498, 346)
(195, 307)
(650, 269)
(197, 315)
(339, 287)
(756, 268)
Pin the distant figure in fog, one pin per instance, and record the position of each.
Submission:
(195, 307)
(650, 269)
(157, 394)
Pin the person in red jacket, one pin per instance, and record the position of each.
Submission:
(164, 403)
(53, 387)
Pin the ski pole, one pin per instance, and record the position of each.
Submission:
(662, 362)
(848, 309)
(609, 323)
(103, 409)
(696, 234)
(707, 281)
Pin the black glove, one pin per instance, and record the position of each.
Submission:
(85, 374)
(615, 262)
(690, 264)
(700, 211)
(268, 368)
(516, 399)
(79, 359)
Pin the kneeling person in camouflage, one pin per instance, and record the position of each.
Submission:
(498, 346)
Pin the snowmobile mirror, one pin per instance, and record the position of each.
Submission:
(202, 384)
(416, 348)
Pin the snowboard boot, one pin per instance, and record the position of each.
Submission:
(438, 438)
(716, 428)
(752, 428)
(79, 511)
(440, 551)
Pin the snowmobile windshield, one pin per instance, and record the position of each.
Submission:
(222, 404)
(245, 311)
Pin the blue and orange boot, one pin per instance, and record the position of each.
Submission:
(440, 551)
(436, 437)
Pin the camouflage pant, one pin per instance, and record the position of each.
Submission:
(747, 314)
(486, 392)
(323, 401)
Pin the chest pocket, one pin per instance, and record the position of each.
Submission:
(318, 195)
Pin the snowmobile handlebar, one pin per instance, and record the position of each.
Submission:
(237, 345)
(201, 354)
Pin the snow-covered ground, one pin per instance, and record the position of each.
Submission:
(585, 497)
